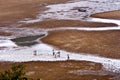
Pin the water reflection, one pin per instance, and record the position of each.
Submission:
(28, 40)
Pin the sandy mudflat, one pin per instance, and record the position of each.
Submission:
(61, 70)
(67, 23)
(101, 43)
(15, 10)
(108, 15)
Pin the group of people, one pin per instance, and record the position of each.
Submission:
(57, 54)
(54, 53)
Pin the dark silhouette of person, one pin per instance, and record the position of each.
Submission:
(35, 52)
(68, 57)
(58, 53)
(53, 52)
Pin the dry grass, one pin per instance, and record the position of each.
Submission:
(101, 43)
(14, 10)
(5, 34)
(108, 15)
(59, 70)
(67, 23)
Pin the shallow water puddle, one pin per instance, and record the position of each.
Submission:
(28, 40)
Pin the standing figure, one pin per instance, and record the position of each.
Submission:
(34, 52)
(53, 52)
(58, 53)
(55, 56)
(68, 57)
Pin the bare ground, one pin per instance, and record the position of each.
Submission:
(101, 43)
(108, 15)
(67, 23)
(59, 70)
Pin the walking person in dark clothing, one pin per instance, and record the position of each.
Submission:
(53, 52)
(58, 53)
(68, 57)
(34, 52)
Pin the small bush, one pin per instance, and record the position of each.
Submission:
(15, 73)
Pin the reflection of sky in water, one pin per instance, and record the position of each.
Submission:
(28, 40)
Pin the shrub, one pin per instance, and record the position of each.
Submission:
(15, 73)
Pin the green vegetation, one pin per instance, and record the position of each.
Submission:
(15, 73)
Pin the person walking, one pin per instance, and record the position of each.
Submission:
(53, 52)
(58, 53)
(34, 52)
(68, 57)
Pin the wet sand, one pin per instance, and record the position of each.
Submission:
(108, 15)
(100, 43)
(67, 23)
(60, 70)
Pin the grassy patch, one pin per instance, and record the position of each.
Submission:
(101, 43)
(59, 70)
(15, 10)
(108, 15)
